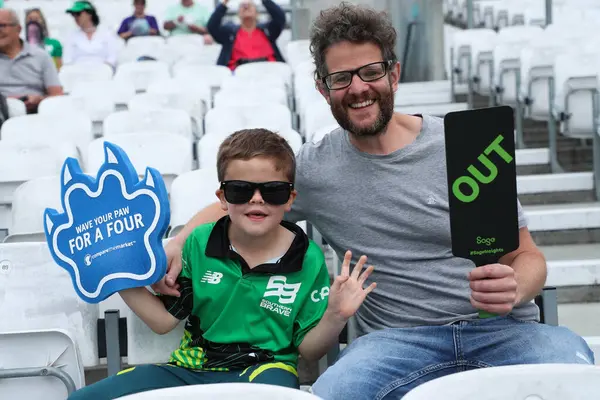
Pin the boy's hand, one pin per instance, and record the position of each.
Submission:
(347, 293)
(168, 284)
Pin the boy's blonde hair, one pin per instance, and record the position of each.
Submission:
(250, 143)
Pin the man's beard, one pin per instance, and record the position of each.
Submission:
(386, 111)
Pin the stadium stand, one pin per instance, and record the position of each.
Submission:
(172, 113)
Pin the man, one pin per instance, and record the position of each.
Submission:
(188, 17)
(366, 187)
(27, 72)
(250, 41)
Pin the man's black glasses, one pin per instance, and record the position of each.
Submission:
(240, 192)
(368, 73)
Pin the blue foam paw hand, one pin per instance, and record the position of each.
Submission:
(109, 237)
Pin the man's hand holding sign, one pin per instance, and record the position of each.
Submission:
(110, 236)
(480, 157)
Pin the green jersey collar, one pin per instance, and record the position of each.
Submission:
(219, 246)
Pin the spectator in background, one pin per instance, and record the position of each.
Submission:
(251, 41)
(26, 72)
(188, 17)
(139, 24)
(90, 43)
(36, 33)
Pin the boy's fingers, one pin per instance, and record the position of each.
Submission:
(346, 264)
(359, 265)
(365, 275)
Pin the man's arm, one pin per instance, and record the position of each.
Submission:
(530, 268)
(149, 309)
(277, 22)
(215, 24)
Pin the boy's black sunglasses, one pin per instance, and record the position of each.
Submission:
(240, 192)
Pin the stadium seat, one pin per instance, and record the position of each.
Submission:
(20, 163)
(258, 69)
(317, 115)
(15, 107)
(38, 294)
(212, 75)
(298, 51)
(43, 364)
(250, 95)
(30, 200)
(144, 46)
(226, 391)
(163, 120)
(119, 92)
(226, 120)
(170, 154)
(321, 132)
(142, 74)
(546, 381)
(92, 105)
(69, 75)
(208, 147)
(191, 192)
(49, 129)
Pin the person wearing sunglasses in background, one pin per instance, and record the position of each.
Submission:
(255, 291)
(250, 41)
(36, 33)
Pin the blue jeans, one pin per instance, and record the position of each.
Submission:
(387, 364)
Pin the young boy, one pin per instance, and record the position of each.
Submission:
(254, 289)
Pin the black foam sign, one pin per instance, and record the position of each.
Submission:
(482, 184)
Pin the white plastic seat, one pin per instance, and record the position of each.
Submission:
(140, 46)
(16, 107)
(320, 133)
(293, 138)
(266, 68)
(208, 148)
(38, 294)
(577, 71)
(226, 391)
(190, 192)
(318, 114)
(163, 120)
(297, 51)
(242, 97)
(178, 100)
(36, 129)
(212, 75)
(119, 92)
(480, 43)
(275, 117)
(20, 163)
(192, 96)
(50, 374)
(142, 73)
(95, 107)
(179, 46)
(518, 382)
(236, 82)
(170, 154)
(30, 200)
(69, 75)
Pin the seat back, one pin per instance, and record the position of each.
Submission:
(119, 92)
(258, 69)
(71, 74)
(541, 381)
(38, 294)
(15, 107)
(164, 120)
(95, 107)
(21, 349)
(141, 74)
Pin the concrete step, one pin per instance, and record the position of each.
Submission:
(561, 224)
(573, 265)
(533, 161)
(558, 188)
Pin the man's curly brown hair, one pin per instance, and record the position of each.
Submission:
(356, 24)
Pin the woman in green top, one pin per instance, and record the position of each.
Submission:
(37, 34)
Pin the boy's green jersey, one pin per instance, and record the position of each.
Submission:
(237, 316)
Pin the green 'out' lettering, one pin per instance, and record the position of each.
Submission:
(493, 172)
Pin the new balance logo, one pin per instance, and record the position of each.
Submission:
(212, 277)
(277, 287)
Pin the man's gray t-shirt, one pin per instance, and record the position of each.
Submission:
(394, 209)
(31, 72)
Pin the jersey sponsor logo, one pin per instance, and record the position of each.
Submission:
(212, 277)
(278, 287)
(318, 295)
